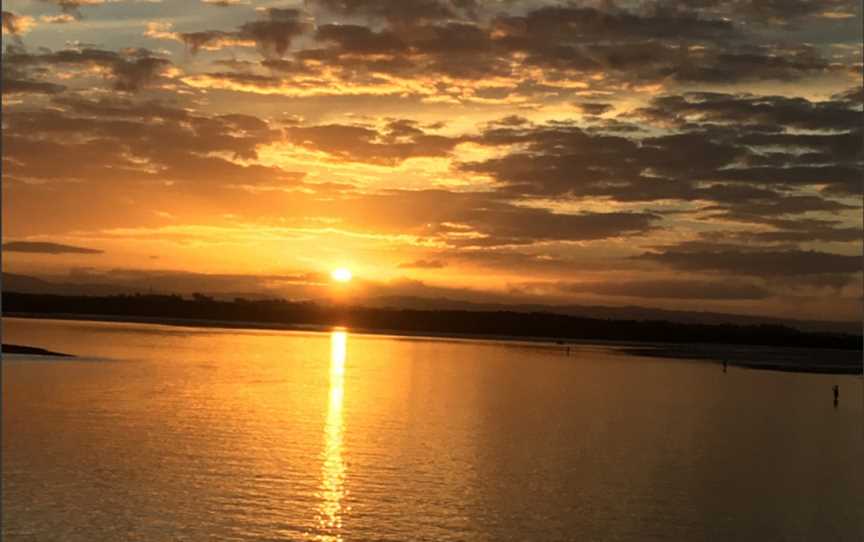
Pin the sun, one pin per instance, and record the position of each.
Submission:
(341, 275)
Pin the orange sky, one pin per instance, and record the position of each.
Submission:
(689, 155)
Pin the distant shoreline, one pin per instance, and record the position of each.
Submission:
(790, 360)
(846, 362)
(275, 326)
(202, 310)
(31, 350)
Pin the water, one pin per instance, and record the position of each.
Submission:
(157, 433)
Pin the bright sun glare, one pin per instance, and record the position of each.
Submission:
(341, 275)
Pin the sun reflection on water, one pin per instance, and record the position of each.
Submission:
(333, 465)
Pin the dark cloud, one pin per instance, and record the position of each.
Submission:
(272, 35)
(566, 24)
(764, 12)
(563, 159)
(480, 219)
(787, 148)
(764, 208)
(130, 70)
(697, 164)
(47, 248)
(724, 155)
(182, 282)
(854, 95)
(627, 48)
(556, 158)
(73, 7)
(594, 108)
(23, 86)
(753, 110)
(513, 225)
(527, 259)
(752, 63)
(247, 79)
(613, 126)
(762, 263)
(136, 141)
(399, 11)
(808, 234)
(455, 49)
(196, 41)
(753, 178)
(224, 3)
(423, 264)
(360, 39)
(786, 231)
(651, 18)
(397, 141)
(133, 74)
(12, 23)
(672, 289)
(14, 26)
(123, 108)
(654, 45)
(843, 178)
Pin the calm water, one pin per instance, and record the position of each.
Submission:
(159, 433)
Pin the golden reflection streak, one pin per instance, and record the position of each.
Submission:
(333, 466)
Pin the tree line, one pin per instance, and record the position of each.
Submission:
(457, 322)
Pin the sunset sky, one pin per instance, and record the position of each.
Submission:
(693, 154)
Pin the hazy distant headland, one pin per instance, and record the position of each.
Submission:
(31, 350)
(201, 309)
(34, 285)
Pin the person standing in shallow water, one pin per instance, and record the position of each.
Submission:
(836, 390)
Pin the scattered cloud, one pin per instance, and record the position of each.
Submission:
(423, 264)
(272, 34)
(16, 25)
(701, 151)
(129, 70)
(40, 247)
(673, 289)
(765, 263)
(73, 7)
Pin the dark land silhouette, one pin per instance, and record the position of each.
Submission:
(157, 284)
(202, 309)
(32, 350)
